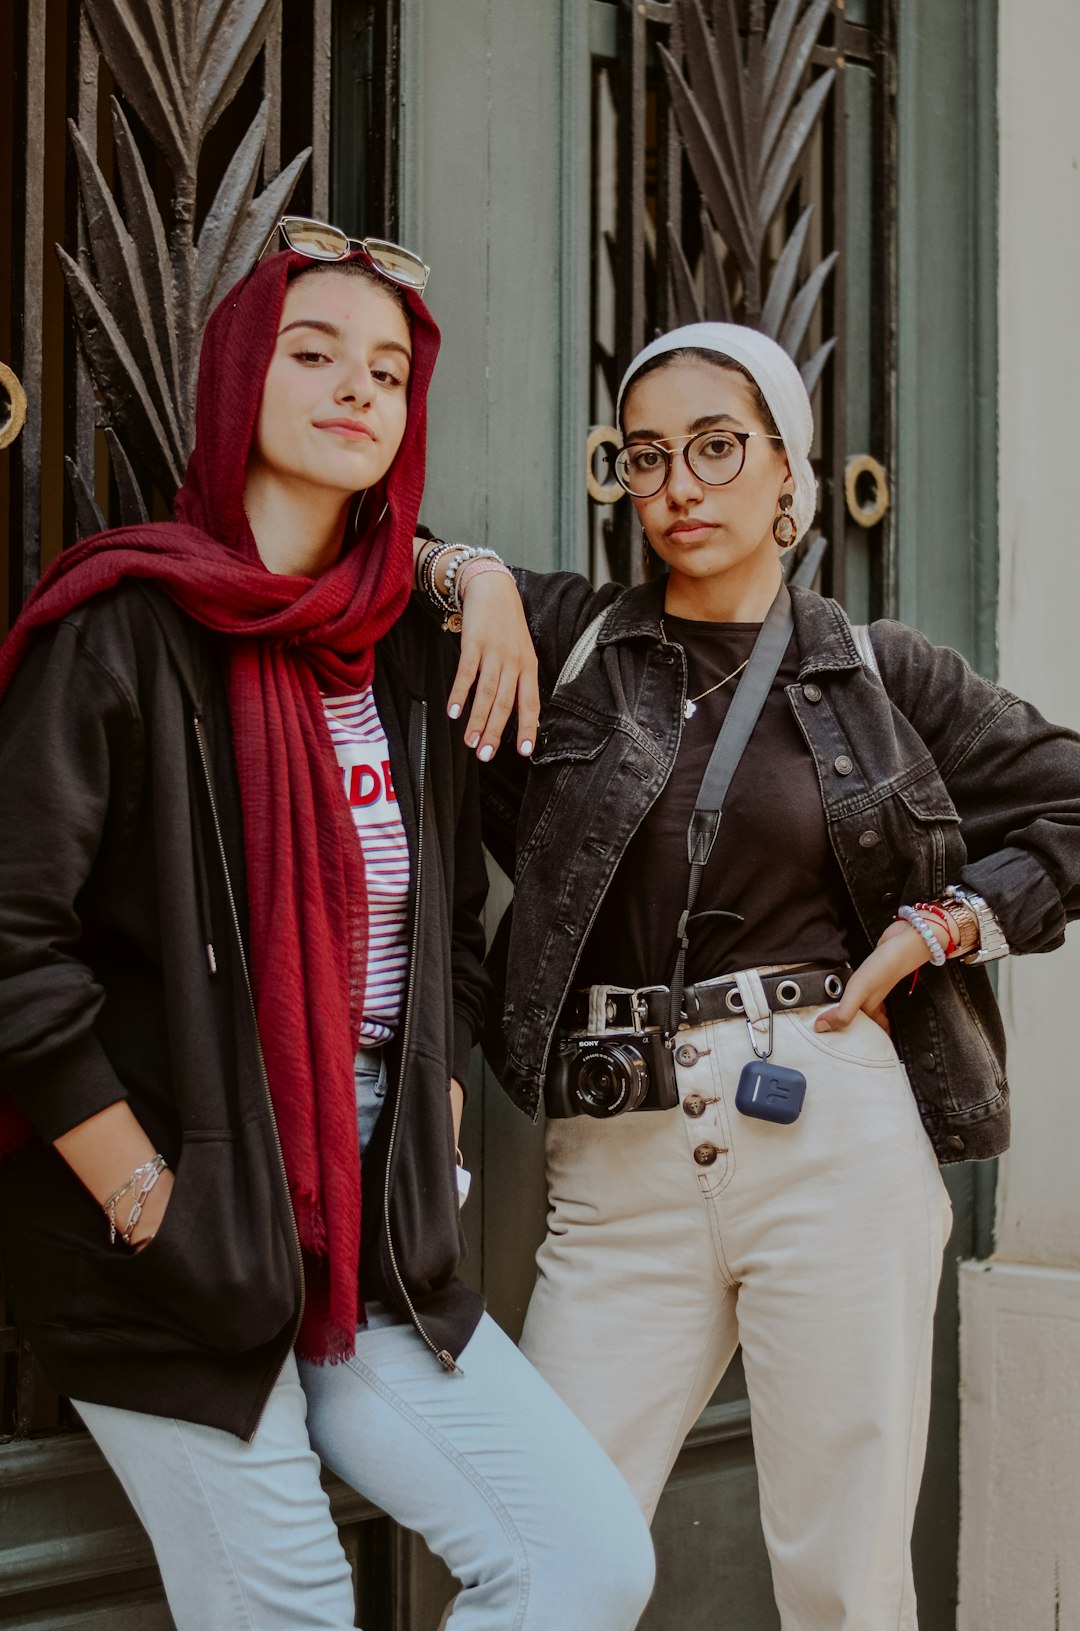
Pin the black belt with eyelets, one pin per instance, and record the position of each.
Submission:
(600, 1007)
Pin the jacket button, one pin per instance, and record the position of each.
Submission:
(843, 766)
(812, 693)
(926, 1061)
(888, 897)
(954, 1142)
(705, 1154)
(687, 1054)
(869, 838)
(694, 1105)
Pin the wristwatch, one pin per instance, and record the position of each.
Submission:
(992, 941)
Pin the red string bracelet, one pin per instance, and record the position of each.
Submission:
(930, 908)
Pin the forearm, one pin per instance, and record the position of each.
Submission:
(443, 572)
(930, 932)
(457, 1105)
(535, 614)
(103, 1152)
(497, 662)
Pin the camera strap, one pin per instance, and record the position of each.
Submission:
(736, 731)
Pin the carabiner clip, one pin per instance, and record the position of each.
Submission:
(751, 1027)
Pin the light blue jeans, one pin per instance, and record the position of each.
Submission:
(488, 1465)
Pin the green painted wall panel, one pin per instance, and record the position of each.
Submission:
(712, 1567)
(945, 467)
(495, 194)
(945, 494)
(859, 351)
(481, 151)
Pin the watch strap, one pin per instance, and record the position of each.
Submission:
(992, 941)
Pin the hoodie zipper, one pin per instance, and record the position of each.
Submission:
(202, 888)
(205, 762)
(443, 1355)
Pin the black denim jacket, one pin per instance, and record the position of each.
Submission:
(929, 775)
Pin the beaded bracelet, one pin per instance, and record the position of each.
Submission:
(465, 554)
(461, 556)
(426, 568)
(912, 915)
(420, 563)
(427, 581)
(447, 603)
(453, 555)
(430, 546)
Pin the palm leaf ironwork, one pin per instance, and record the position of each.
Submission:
(745, 114)
(140, 291)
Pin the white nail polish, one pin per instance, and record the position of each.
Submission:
(454, 711)
(486, 751)
(525, 749)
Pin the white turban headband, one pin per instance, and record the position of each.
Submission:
(779, 382)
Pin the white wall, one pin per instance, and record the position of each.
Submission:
(1020, 1314)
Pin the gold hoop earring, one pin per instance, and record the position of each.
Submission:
(784, 529)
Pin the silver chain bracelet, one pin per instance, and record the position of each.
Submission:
(143, 1180)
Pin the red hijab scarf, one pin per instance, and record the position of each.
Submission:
(291, 638)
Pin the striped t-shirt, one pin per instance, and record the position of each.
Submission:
(360, 744)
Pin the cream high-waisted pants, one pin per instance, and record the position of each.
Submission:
(675, 1235)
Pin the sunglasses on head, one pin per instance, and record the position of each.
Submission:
(322, 242)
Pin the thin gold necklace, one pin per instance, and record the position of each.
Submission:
(690, 705)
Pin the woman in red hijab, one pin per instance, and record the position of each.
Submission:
(240, 885)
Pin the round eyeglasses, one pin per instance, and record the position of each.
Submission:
(714, 457)
(322, 242)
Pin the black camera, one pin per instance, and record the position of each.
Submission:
(610, 1074)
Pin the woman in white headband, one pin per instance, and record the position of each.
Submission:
(780, 957)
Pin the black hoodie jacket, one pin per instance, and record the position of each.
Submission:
(123, 974)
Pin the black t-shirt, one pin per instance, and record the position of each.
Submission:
(772, 865)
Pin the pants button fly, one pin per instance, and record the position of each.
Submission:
(706, 1154)
(687, 1054)
(693, 1105)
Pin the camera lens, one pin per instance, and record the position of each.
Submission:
(612, 1079)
